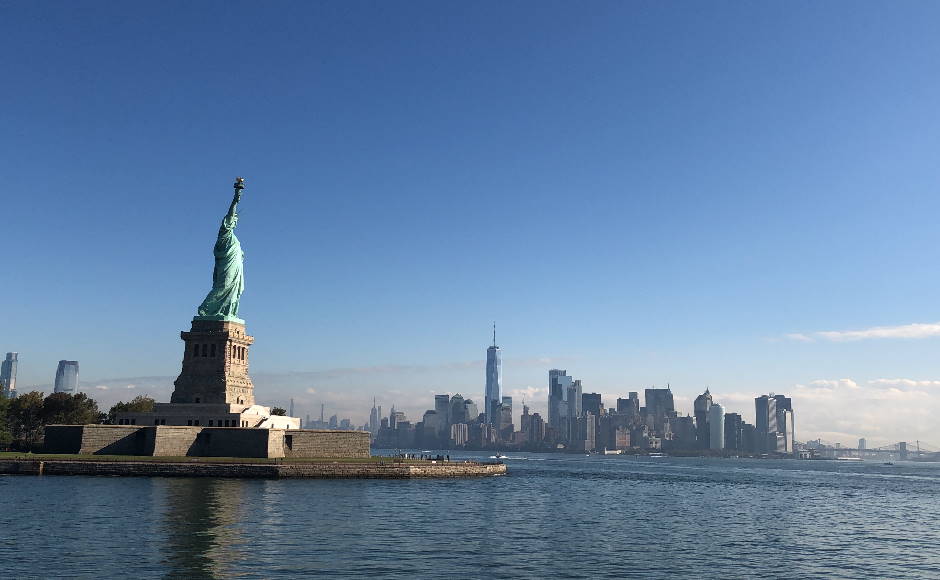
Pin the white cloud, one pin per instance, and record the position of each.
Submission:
(896, 394)
(903, 383)
(835, 384)
(102, 387)
(311, 391)
(528, 394)
(909, 331)
(740, 399)
(881, 410)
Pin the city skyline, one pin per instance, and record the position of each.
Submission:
(584, 422)
(343, 404)
(640, 194)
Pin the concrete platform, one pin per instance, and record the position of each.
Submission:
(270, 469)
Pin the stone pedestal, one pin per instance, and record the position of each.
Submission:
(210, 415)
(215, 365)
(213, 389)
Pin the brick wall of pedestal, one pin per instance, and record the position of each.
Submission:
(167, 441)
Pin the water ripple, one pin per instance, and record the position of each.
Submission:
(552, 516)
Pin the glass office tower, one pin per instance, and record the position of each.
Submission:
(494, 382)
(66, 377)
(8, 375)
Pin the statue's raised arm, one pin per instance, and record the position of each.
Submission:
(228, 278)
(239, 186)
(231, 218)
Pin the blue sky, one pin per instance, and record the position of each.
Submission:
(639, 192)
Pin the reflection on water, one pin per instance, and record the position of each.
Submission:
(201, 525)
(552, 516)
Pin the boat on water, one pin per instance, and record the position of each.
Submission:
(657, 455)
(849, 459)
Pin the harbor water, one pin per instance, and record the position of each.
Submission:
(553, 516)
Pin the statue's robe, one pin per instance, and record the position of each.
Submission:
(228, 276)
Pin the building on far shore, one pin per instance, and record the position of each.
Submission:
(492, 397)
(66, 377)
(716, 427)
(8, 375)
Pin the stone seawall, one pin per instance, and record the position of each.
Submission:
(176, 441)
(310, 443)
(311, 470)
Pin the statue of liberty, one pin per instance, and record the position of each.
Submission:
(228, 276)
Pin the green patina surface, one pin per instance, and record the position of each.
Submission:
(228, 276)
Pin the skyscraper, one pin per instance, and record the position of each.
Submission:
(504, 425)
(587, 432)
(8, 375)
(623, 405)
(716, 427)
(470, 410)
(494, 382)
(458, 411)
(701, 406)
(66, 377)
(774, 423)
(459, 434)
(591, 403)
(442, 406)
(574, 410)
(433, 425)
(659, 407)
(734, 432)
(374, 419)
(785, 420)
(683, 432)
(564, 405)
(558, 383)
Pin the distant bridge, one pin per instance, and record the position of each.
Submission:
(902, 451)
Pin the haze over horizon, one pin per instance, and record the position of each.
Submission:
(644, 194)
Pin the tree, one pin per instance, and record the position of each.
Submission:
(278, 411)
(25, 416)
(139, 404)
(66, 409)
(6, 436)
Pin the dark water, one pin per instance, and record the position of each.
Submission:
(553, 516)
